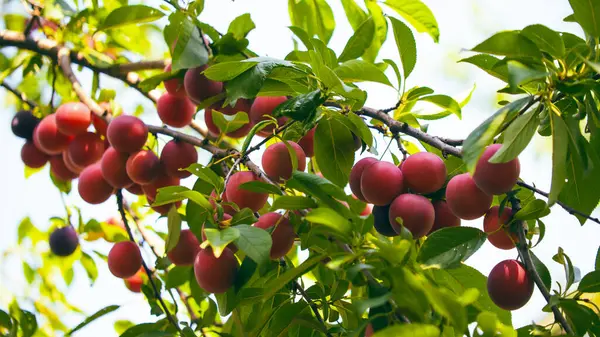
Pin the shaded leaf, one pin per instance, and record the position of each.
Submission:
(254, 242)
(127, 15)
(509, 43)
(93, 317)
(448, 247)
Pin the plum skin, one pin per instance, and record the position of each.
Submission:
(283, 235)
(127, 133)
(381, 217)
(124, 259)
(498, 235)
(215, 275)
(308, 143)
(265, 105)
(92, 187)
(73, 118)
(424, 172)
(143, 167)
(416, 212)
(356, 175)
(465, 199)
(32, 156)
(178, 155)
(244, 198)
(48, 138)
(63, 241)
(198, 87)
(509, 285)
(443, 216)
(114, 168)
(184, 253)
(381, 182)
(496, 179)
(23, 124)
(215, 131)
(86, 149)
(277, 162)
(175, 111)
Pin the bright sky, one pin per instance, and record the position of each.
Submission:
(463, 24)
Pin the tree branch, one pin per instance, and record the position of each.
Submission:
(138, 66)
(19, 94)
(527, 260)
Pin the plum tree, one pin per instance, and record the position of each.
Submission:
(307, 142)
(143, 167)
(215, 131)
(73, 118)
(127, 133)
(198, 87)
(92, 187)
(124, 259)
(85, 149)
(443, 216)
(176, 156)
(277, 161)
(283, 235)
(494, 225)
(424, 172)
(215, 275)
(47, 138)
(32, 156)
(114, 168)
(23, 123)
(416, 214)
(134, 283)
(59, 169)
(381, 220)
(509, 285)
(175, 85)
(244, 198)
(185, 250)
(63, 241)
(496, 179)
(465, 199)
(175, 111)
(262, 106)
(381, 182)
(356, 175)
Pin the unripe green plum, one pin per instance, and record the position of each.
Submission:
(215, 275)
(85, 149)
(265, 105)
(186, 249)
(277, 162)
(48, 138)
(496, 179)
(415, 211)
(509, 285)
(424, 172)
(381, 182)
(177, 155)
(143, 167)
(114, 168)
(381, 221)
(283, 235)
(175, 85)
(175, 111)
(215, 131)
(245, 198)
(465, 199)
(23, 124)
(92, 186)
(307, 143)
(127, 133)
(73, 118)
(63, 241)
(443, 216)
(124, 259)
(32, 156)
(60, 170)
(198, 87)
(356, 175)
(494, 226)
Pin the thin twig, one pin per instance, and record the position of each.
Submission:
(19, 94)
(530, 267)
(138, 66)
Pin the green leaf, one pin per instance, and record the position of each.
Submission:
(381, 30)
(597, 264)
(93, 317)
(359, 71)
(241, 26)
(488, 64)
(177, 276)
(174, 227)
(254, 242)
(334, 150)
(219, 239)
(227, 71)
(356, 16)
(329, 218)
(321, 189)
(590, 283)
(407, 47)
(546, 39)
(227, 123)
(360, 129)
(509, 43)
(448, 247)
(90, 266)
(519, 74)
(533, 210)
(409, 330)
(359, 42)
(63, 186)
(185, 43)
(128, 15)
(292, 202)
(260, 187)
(484, 134)
(587, 14)
(273, 286)
(171, 194)
(580, 316)
(445, 102)
(314, 16)
(516, 137)
(542, 271)
(560, 144)
(244, 217)
(418, 15)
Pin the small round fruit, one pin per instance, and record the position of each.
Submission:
(415, 211)
(262, 106)
(307, 142)
(215, 275)
(73, 118)
(163, 209)
(443, 216)
(424, 172)
(86, 149)
(178, 155)
(215, 131)
(381, 182)
(283, 235)
(381, 221)
(244, 198)
(143, 167)
(60, 170)
(494, 226)
(127, 133)
(32, 156)
(92, 187)
(356, 175)
(135, 189)
(509, 286)
(186, 249)
(163, 180)
(175, 111)
(113, 165)
(63, 241)
(23, 124)
(242, 105)
(134, 283)
(47, 137)
(124, 259)
(496, 179)
(198, 87)
(465, 199)
(277, 162)
(174, 86)
(70, 164)
(99, 123)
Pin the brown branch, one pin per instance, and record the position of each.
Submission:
(527, 260)
(138, 66)
(19, 94)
